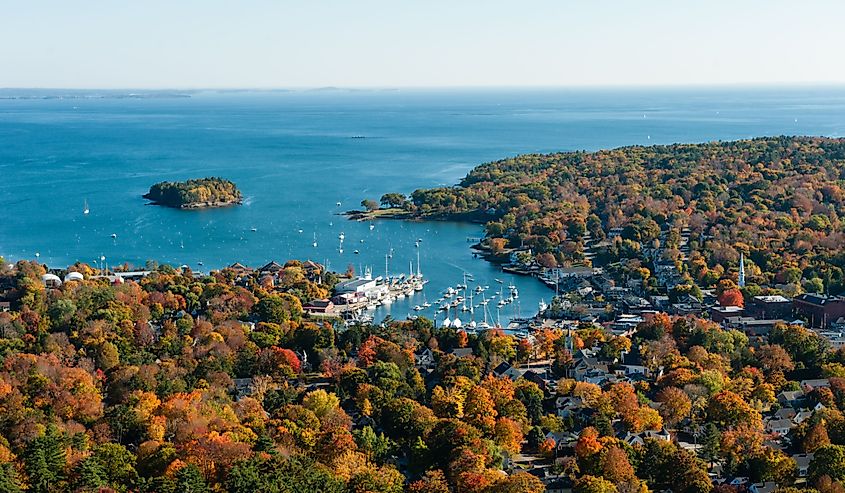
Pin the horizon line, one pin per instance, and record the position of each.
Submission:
(315, 88)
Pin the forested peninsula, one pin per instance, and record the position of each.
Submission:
(195, 194)
(777, 200)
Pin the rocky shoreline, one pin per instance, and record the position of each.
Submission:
(196, 205)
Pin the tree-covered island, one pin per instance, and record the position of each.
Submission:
(195, 194)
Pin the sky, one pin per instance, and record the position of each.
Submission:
(431, 43)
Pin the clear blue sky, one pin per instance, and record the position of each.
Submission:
(308, 43)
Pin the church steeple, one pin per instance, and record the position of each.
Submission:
(741, 270)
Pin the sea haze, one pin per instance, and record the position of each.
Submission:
(295, 154)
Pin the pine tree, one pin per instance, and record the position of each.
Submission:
(44, 461)
(189, 480)
(264, 444)
(89, 475)
(9, 479)
(711, 443)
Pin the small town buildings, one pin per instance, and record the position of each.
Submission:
(720, 313)
(751, 326)
(771, 307)
(820, 310)
(580, 271)
(320, 307)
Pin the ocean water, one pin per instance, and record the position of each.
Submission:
(296, 154)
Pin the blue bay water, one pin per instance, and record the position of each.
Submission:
(294, 157)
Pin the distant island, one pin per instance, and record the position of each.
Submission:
(195, 194)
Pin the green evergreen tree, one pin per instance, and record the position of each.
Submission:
(189, 480)
(264, 443)
(44, 461)
(89, 475)
(9, 479)
(711, 443)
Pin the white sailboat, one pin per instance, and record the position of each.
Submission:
(86, 210)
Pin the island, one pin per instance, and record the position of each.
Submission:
(195, 194)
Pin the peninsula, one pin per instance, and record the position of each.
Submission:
(195, 194)
(776, 201)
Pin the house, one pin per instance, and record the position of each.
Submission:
(809, 385)
(319, 307)
(313, 271)
(632, 362)
(537, 377)
(661, 302)
(585, 365)
(767, 487)
(5, 306)
(625, 324)
(567, 406)
(272, 268)
(785, 413)
(780, 427)
(835, 337)
(51, 280)
(801, 416)
(461, 352)
(640, 438)
(502, 369)
(239, 269)
(424, 358)
(687, 305)
(792, 398)
(820, 310)
(803, 463)
(564, 441)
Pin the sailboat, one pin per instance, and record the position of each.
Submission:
(315, 240)
(85, 210)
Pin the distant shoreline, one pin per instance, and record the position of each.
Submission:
(401, 214)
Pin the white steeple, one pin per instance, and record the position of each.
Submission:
(741, 270)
